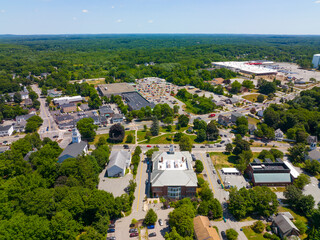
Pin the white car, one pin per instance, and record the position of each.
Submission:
(160, 222)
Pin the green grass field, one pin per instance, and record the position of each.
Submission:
(251, 97)
(96, 139)
(251, 235)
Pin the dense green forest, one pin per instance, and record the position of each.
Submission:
(43, 199)
(178, 58)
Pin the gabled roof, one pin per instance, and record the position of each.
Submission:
(312, 139)
(284, 224)
(202, 229)
(5, 128)
(278, 131)
(74, 149)
(119, 159)
(314, 154)
(252, 127)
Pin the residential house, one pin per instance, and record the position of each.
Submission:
(6, 130)
(313, 155)
(252, 128)
(172, 175)
(223, 120)
(24, 118)
(287, 214)
(202, 229)
(103, 120)
(69, 107)
(260, 113)
(232, 100)
(312, 141)
(27, 102)
(75, 148)
(244, 90)
(278, 135)
(117, 118)
(235, 116)
(284, 227)
(220, 104)
(119, 162)
(269, 173)
(96, 120)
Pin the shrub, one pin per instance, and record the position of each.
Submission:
(200, 181)
(268, 228)
(199, 166)
(232, 234)
(267, 235)
(258, 227)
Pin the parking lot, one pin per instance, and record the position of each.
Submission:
(313, 189)
(233, 180)
(116, 186)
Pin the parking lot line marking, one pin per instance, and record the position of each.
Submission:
(141, 163)
(205, 166)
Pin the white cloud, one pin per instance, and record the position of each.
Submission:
(112, 7)
(119, 21)
(150, 21)
(85, 11)
(2, 11)
(318, 1)
(74, 19)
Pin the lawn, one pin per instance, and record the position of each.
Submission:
(96, 139)
(250, 234)
(296, 216)
(251, 97)
(253, 121)
(221, 160)
(161, 139)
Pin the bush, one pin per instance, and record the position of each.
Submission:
(134, 221)
(200, 181)
(268, 228)
(232, 234)
(267, 235)
(258, 227)
(129, 138)
(199, 166)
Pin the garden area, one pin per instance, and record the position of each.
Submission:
(127, 133)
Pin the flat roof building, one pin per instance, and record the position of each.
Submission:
(172, 175)
(135, 101)
(246, 67)
(269, 173)
(67, 100)
(114, 89)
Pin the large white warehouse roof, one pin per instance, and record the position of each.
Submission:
(246, 67)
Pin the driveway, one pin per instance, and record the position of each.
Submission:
(115, 186)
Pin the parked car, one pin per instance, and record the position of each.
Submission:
(208, 155)
(111, 238)
(202, 146)
(150, 226)
(218, 181)
(133, 230)
(152, 234)
(134, 234)
(125, 146)
(160, 222)
(132, 225)
(55, 136)
(127, 129)
(112, 226)
(111, 230)
(149, 146)
(212, 115)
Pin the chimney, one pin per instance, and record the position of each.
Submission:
(161, 159)
(182, 159)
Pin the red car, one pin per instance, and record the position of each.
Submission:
(212, 115)
(134, 234)
(148, 145)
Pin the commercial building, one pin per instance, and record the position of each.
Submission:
(316, 60)
(67, 100)
(247, 67)
(269, 173)
(106, 111)
(135, 101)
(119, 162)
(202, 229)
(117, 118)
(6, 130)
(66, 108)
(54, 93)
(172, 175)
(114, 89)
(76, 148)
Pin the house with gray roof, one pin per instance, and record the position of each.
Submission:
(119, 162)
(312, 141)
(278, 135)
(235, 116)
(252, 128)
(75, 148)
(172, 175)
(106, 111)
(284, 227)
(313, 155)
(6, 130)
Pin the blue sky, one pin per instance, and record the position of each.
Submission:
(159, 16)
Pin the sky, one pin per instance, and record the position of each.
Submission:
(159, 16)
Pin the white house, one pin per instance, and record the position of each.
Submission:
(119, 162)
(278, 135)
(6, 130)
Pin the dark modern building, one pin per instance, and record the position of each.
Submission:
(135, 101)
(269, 173)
